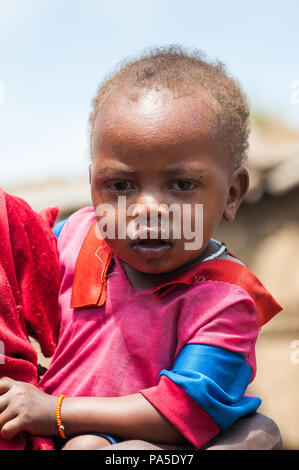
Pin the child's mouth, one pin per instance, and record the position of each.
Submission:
(150, 248)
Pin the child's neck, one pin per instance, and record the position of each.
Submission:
(140, 280)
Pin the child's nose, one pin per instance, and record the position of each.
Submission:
(149, 203)
(149, 206)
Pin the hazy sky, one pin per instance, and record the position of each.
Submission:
(53, 55)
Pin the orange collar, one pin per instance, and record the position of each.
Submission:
(89, 286)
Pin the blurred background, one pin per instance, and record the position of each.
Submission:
(54, 54)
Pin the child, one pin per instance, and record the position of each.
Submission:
(157, 339)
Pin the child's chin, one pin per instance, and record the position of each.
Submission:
(154, 266)
(150, 260)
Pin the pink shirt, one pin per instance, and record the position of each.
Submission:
(121, 347)
(115, 340)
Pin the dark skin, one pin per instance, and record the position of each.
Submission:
(161, 150)
(153, 150)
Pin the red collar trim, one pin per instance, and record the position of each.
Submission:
(89, 286)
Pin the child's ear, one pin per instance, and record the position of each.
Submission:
(238, 189)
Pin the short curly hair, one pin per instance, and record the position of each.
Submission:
(177, 68)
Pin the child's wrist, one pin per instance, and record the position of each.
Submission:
(68, 416)
(60, 426)
(80, 415)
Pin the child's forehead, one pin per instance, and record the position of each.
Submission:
(155, 111)
(150, 128)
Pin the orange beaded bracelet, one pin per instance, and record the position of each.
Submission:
(58, 417)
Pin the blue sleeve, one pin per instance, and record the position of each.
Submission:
(216, 379)
(58, 227)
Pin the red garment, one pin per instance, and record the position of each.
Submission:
(29, 286)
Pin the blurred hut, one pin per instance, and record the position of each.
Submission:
(265, 235)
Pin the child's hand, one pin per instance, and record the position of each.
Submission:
(23, 407)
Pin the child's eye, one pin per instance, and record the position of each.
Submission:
(119, 185)
(183, 185)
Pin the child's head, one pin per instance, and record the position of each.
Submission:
(168, 128)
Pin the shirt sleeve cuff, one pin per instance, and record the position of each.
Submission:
(176, 406)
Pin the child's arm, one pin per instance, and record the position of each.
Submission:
(130, 417)
(24, 407)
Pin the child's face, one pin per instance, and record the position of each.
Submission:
(154, 148)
